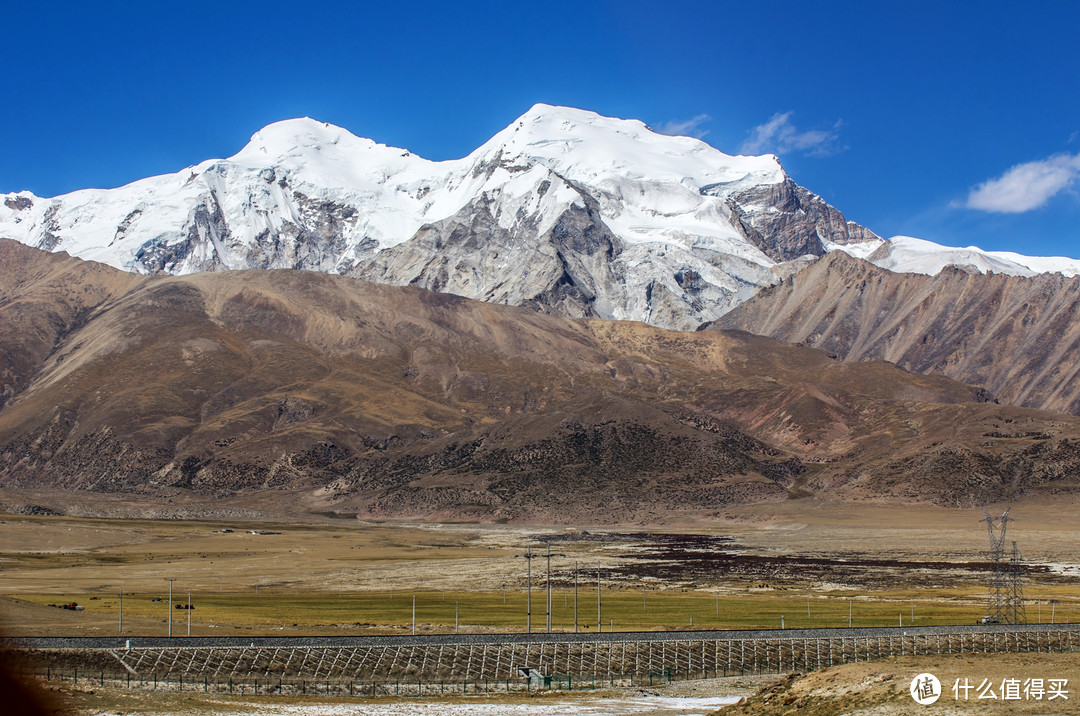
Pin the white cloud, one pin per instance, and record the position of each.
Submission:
(780, 136)
(686, 128)
(1026, 186)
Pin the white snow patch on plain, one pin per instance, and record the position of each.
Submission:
(1062, 567)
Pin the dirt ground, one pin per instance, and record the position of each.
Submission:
(882, 688)
(878, 688)
(680, 698)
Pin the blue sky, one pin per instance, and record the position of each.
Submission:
(955, 122)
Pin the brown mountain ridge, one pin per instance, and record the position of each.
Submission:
(304, 391)
(1018, 337)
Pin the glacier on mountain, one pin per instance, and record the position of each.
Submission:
(564, 211)
(905, 254)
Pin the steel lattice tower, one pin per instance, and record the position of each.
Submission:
(1015, 604)
(1006, 602)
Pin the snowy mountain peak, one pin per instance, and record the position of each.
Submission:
(578, 142)
(564, 210)
(290, 136)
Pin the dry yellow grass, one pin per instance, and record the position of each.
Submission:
(348, 577)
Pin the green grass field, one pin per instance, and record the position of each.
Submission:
(271, 611)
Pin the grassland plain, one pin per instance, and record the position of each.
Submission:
(879, 564)
(813, 568)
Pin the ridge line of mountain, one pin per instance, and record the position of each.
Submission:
(300, 391)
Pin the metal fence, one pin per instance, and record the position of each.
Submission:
(396, 668)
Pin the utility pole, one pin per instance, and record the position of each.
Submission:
(189, 613)
(170, 606)
(849, 614)
(121, 611)
(549, 556)
(575, 597)
(414, 615)
(598, 617)
(528, 557)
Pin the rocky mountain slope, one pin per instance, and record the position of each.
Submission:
(309, 391)
(1016, 336)
(564, 211)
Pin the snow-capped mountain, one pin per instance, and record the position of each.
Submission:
(564, 210)
(904, 254)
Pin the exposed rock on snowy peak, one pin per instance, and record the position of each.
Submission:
(786, 221)
(564, 210)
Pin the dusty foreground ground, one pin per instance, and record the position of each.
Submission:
(677, 699)
(879, 688)
(882, 688)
